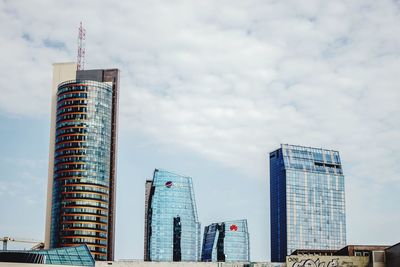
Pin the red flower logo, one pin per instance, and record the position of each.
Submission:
(233, 227)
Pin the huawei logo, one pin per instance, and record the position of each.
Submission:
(233, 227)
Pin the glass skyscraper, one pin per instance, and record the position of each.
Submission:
(226, 242)
(307, 200)
(172, 228)
(81, 192)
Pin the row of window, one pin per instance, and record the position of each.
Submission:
(83, 187)
(83, 233)
(76, 94)
(77, 158)
(92, 179)
(96, 153)
(75, 137)
(76, 108)
(72, 87)
(78, 202)
(82, 240)
(72, 130)
(72, 145)
(69, 117)
(91, 134)
(84, 218)
(85, 196)
(75, 102)
(90, 170)
(99, 167)
(101, 144)
(83, 225)
(85, 211)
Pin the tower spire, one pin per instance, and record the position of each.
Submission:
(81, 48)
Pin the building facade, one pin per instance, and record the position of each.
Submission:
(334, 261)
(171, 224)
(307, 200)
(351, 255)
(226, 242)
(82, 178)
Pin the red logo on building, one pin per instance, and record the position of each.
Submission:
(168, 184)
(233, 227)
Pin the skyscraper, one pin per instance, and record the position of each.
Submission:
(307, 200)
(82, 159)
(172, 229)
(226, 242)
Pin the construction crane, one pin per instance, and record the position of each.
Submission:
(6, 239)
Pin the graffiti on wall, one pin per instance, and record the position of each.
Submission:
(296, 262)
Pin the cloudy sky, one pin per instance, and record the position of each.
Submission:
(208, 89)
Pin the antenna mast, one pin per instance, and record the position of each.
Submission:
(81, 48)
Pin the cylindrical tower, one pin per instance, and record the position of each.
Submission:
(81, 185)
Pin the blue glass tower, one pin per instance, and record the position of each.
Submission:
(226, 242)
(172, 230)
(307, 200)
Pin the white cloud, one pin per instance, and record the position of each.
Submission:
(229, 81)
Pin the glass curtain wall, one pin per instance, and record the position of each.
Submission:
(174, 229)
(307, 200)
(226, 242)
(82, 166)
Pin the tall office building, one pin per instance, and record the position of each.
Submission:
(82, 159)
(172, 229)
(307, 200)
(226, 242)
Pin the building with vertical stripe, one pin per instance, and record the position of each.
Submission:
(307, 199)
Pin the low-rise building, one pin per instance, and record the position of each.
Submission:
(326, 261)
(351, 255)
(70, 256)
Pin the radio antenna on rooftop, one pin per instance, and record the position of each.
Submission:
(81, 48)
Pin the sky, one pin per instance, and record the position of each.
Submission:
(208, 89)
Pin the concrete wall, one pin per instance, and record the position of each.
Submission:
(61, 72)
(327, 261)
